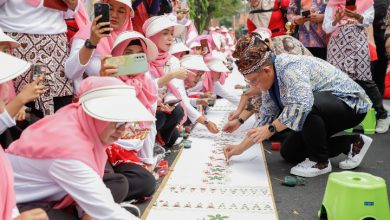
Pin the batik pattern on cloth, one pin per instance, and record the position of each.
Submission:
(348, 50)
(51, 51)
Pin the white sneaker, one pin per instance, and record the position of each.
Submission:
(382, 125)
(131, 208)
(309, 168)
(354, 159)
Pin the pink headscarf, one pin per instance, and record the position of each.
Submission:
(105, 44)
(7, 194)
(208, 81)
(7, 91)
(78, 132)
(156, 68)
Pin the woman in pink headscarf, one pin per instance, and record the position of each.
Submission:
(348, 21)
(64, 154)
(90, 43)
(132, 156)
(168, 73)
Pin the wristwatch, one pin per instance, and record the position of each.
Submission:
(89, 45)
(206, 122)
(241, 120)
(272, 128)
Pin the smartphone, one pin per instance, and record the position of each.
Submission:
(37, 70)
(172, 102)
(102, 9)
(306, 13)
(350, 3)
(131, 64)
(205, 46)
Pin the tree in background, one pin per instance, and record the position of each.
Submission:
(201, 11)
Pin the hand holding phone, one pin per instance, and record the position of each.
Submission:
(129, 64)
(103, 10)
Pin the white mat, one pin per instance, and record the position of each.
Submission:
(203, 186)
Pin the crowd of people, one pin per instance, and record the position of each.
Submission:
(82, 138)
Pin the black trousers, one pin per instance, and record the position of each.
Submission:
(166, 125)
(379, 67)
(329, 115)
(319, 52)
(372, 91)
(141, 183)
(59, 102)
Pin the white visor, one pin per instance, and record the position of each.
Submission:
(178, 47)
(194, 62)
(216, 65)
(115, 104)
(11, 67)
(151, 48)
(156, 24)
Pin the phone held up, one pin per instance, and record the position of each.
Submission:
(306, 13)
(102, 9)
(205, 46)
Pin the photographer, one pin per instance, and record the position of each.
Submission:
(307, 18)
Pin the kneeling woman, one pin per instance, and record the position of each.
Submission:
(64, 155)
(311, 97)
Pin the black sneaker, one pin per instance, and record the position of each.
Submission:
(131, 208)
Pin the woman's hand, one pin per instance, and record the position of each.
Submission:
(231, 126)
(232, 150)
(233, 115)
(202, 101)
(338, 16)
(212, 127)
(316, 18)
(21, 115)
(107, 69)
(182, 74)
(299, 20)
(97, 33)
(33, 214)
(32, 91)
(259, 134)
(166, 108)
(354, 15)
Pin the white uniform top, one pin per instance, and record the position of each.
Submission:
(73, 68)
(20, 17)
(172, 65)
(52, 179)
(6, 121)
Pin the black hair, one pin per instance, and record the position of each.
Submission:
(135, 42)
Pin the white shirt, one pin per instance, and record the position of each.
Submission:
(6, 121)
(73, 68)
(368, 18)
(52, 179)
(172, 65)
(20, 17)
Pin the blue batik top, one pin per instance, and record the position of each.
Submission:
(298, 77)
